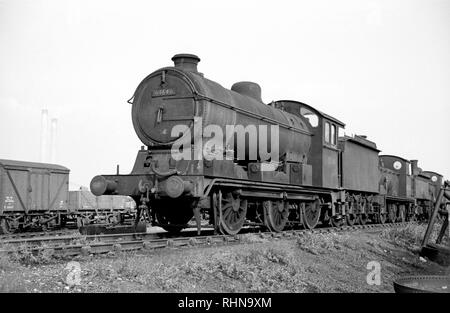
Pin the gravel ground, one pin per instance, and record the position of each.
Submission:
(311, 263)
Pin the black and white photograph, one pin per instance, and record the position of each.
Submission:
(219, 155)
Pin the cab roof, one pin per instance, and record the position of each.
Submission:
(321, 114)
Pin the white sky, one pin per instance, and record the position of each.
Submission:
(382, 67)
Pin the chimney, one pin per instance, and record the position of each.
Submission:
(44, 135)
(53, 128)
(186, 62)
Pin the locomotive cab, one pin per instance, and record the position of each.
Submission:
(324, 154)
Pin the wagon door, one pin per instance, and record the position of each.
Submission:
(39, 191)
(46, 190)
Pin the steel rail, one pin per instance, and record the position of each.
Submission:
(29, 235)
(147, 241)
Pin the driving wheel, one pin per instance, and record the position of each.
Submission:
(276, 215)
(311, 214)
(232, 212)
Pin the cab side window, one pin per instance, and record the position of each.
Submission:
(330, 133)
(333, 134)
(327, 132)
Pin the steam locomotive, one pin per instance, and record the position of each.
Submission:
(315, 177)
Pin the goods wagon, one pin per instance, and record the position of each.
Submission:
(32, 194)
(103, 209)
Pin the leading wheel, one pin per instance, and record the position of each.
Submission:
(174, 215)
(232, 212)
(337, 221)
(311, 214)
(276, 214)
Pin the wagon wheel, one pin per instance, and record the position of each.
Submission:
(351, 219)
(4, 227)
(401, 213)
(381, 217)
(311, 214)
(174, 216)
(363, 218)
(412, 217)
(276, 214)
(232, 212)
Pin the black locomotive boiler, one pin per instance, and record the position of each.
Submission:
(317, 176)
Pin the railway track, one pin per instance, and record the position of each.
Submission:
(61, 232)
(97, 244)
(41, 234)
(62, 240)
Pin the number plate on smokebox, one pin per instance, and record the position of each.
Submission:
(163, 92)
